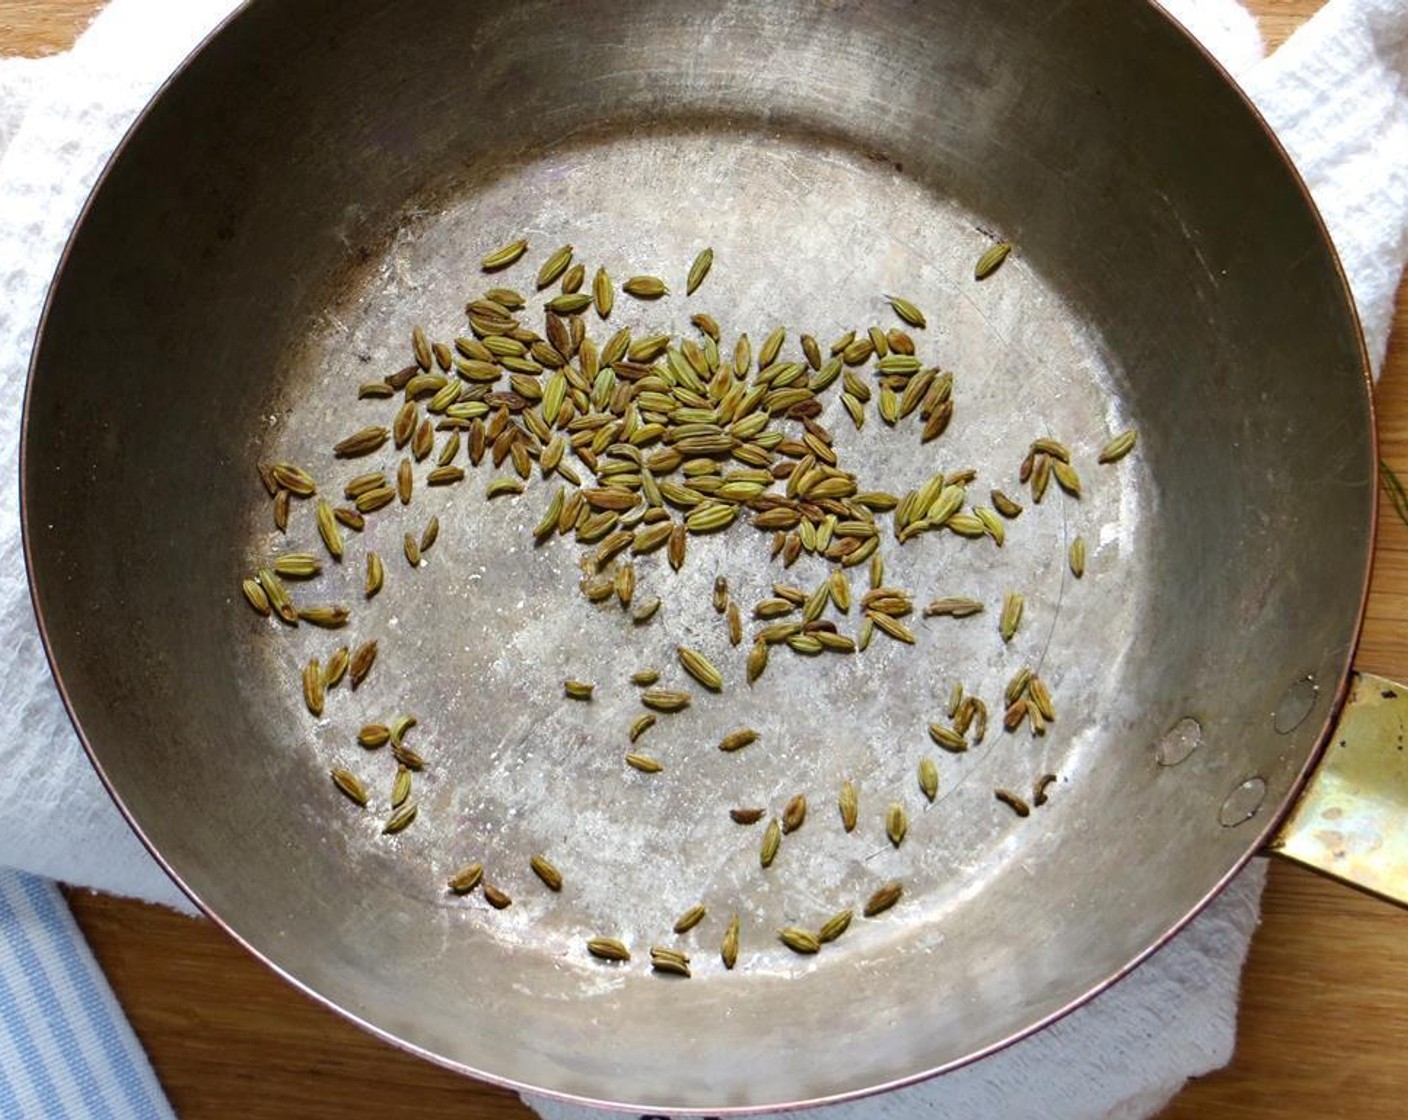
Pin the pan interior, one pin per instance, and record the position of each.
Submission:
(334, 190)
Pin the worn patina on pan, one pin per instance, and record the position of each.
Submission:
(320, 177)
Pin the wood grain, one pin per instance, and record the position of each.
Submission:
(31, 28)
(1325, 993)
(1278, 18)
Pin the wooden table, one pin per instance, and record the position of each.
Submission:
(1325, 994)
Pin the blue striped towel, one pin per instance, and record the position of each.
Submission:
(66, 1048)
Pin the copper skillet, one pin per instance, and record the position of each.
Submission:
(319, 176)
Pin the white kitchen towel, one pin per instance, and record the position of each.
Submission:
(1336, 94)
(60, 118)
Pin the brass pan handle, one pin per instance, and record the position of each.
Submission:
(1351, 821)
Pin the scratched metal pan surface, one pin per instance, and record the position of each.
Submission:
(322, 176)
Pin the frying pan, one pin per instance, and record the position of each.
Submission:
(320, 177)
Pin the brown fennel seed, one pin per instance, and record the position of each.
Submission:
(728, 947)
(404, 426)
(772, 345)
(1077, 557)
(757, 660)
(840, 590)
(544, 870)
(375, 499)
(411, 547)
(1118, 447)
(948, 738)
(835, 926)
(336, 668)
(399, 726)
(1039, 796)
(349, 518)
(991, 260)
(698, 270)
(645, 287)
(675, 548)
(1005, 505)
(295, 480)
(928, 778)
(891, 626)
(504, 256)
(313, 687)
(400, 818)
(608, 949)
(297, 565)
(495, 897)
(896, 823)
(706, 324)
(569, 303)
(690, 918)
(1041, 698)
(350, 785)
(281, 504)
(577, 690)
(376, 574)
(1012, 606)
(466, 878)
(1014, 802)
(772, 840)
(907, 311)
(882, 899)
(429, 534)
(669, 961)
(746, 815)
(700, 668)
(964, 714)
(554, 266)
(1053, 447)
(603, 294)
(644, 763)
(501, 486)
(625, 584)
(362, 659)
(737, 740)
(400, 787)
(1015, 714)
(444, 476)
(794, 814)
(363, 442)
(798, 940)
(735, 623)
(1066, 477)
(254, 593)
(373, 735)
(720, 596)
(665, 699)
(848, 803)
(407, 757)
(328, 617)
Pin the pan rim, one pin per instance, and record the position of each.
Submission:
(1255, 844)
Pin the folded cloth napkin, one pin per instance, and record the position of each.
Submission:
(1337, 94)
(66, 1049)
